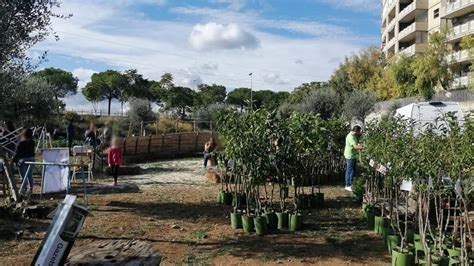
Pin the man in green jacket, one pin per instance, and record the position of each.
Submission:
(351, 152)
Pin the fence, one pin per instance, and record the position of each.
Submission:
(166, 145)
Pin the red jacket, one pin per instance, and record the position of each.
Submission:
(115, 156)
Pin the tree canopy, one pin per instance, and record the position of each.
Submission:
(63, 82)
(107, 85)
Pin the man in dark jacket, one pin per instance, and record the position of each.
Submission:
(70, 135)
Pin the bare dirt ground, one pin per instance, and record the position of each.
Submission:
(176, 211)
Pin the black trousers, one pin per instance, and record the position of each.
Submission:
(115, 171)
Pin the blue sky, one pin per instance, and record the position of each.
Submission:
(283, 42)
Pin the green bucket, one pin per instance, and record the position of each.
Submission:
(392, 242)
(284, 192)
(282, 220)
(378, 224)
(260, 225)
(236, 220)
(220, 197)
(402, 258)
(248, 223)
(296, 222)
(371, 219)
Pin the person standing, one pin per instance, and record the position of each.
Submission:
(115, 158)
(70, 135)
(25, 152)
(351, 152)
(91, 135)
(210, 149)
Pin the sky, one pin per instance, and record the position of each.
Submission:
(284, 43)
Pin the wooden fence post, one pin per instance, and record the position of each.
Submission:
(136, 145)
(162, 142)
(149, 143)
(124, 146)
(196, 142)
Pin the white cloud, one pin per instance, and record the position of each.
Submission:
(372, 6)
(212, 36)
(84, 75)
(116, 37)
(274, 78)
(235, 5)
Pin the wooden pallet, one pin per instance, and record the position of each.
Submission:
(114, 252)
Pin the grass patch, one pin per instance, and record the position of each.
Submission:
(200, 234)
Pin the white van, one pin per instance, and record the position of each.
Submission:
(430, 113)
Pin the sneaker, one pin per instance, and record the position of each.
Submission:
(348, 189)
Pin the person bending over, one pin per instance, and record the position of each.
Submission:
(209, 151)
(351, 152)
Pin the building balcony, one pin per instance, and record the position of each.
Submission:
(408, 51)
(390, 44)
(413, 49)
(388, 6)
(409, 33)
(460, 56)
(459, 31)
(457, 8)
(461, 82)
(409, 12)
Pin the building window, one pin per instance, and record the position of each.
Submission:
(436, 13)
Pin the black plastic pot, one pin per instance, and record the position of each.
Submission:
(272, 220)
(227, 198)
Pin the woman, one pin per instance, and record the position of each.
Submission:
(25, 152)
(209, 151)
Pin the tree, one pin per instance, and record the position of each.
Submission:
(339, 81)
(62, 82)
(106, 85)
(210, 94)
(467, 43)
(269, 100)
(137, 86)
(24, 23)
(31, 103)
(159, 89)
(358, 104)
(239, 97)
(323, 102)
(140, 110)
(397, 79)
(363, 68)
(300, 92)
(180, 99)
(432, 68)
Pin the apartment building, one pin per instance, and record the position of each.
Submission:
(406, 25)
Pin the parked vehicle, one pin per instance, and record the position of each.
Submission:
(426, 114)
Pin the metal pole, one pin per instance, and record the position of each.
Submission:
(251, 91)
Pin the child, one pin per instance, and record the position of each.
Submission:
(25, 152)
(115, 157)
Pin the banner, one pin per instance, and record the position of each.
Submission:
(55, 177)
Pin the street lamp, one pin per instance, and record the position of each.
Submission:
(251, 91)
